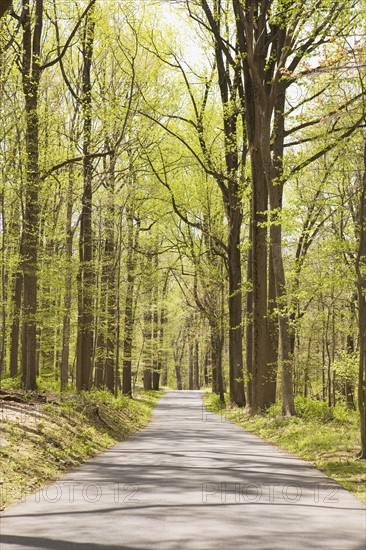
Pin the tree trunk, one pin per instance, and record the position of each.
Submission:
(361, 291)
(178, 353)
(216, 360)
(148, 365)
(236, 374)
(155, 327)
(190, 362)
(31, 78)
(206, 369)
(259, 251)
(128, 324)
(249, 320)
(273, 343)
(86, 272)
(3, 286)
(109, 279)
(156, 363)
(196, 366)
(65, 353)
(349, 389)
(178, 376)
(15, 325)
(163, 360)
(285, 360)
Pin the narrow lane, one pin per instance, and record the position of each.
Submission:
(189, 481)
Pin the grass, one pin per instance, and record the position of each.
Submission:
(46, 435)
(328, 438)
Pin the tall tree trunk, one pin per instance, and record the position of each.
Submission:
(178, 375)
(361, 290)
(109, 277)
(31, 77)
(288, 406)
(259, 255)
(249, 321)
(178, 354)
(349, 388)
(236, 374)
(15, 325)
(155, 327)
(206, 369)
(65, 352)
(273, 343)
(190, 362)
(3, 285)
(129, 309)
(147, 375)
(86, 272)
(148, 317)
(275, 179)
(216, 359)
(163, 360)
(156, 363)
(196, 366)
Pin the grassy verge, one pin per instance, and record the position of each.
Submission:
(328, 438)
(44, 435)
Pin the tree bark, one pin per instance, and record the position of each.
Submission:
(361, 291)
(128, 316)
(31, 78)
(155, 327)
(196, 366)
(163, 360)
(148, 328)
(86, 271)
(109, 280)
(15, 325)
(65, 353)
(273, 341)
(249, 320)
(259, 247)
(236, 374)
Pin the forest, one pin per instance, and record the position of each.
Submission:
(183, 199)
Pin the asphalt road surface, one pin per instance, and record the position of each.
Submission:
(189, 481)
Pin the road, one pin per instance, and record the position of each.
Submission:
(189, 481)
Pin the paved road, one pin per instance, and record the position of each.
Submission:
(189, 481)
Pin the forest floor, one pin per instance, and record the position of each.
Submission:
(328, 438)
(44, 434)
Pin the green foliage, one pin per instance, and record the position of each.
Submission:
(346, 366)
(310, 409)
(8, 383)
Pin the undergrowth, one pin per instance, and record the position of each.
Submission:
(44, 434)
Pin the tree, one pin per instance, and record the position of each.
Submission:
(86, 275)
(361, 294)
(31, 74)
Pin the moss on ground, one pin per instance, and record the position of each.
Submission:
(328, 438)
(44, 435)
